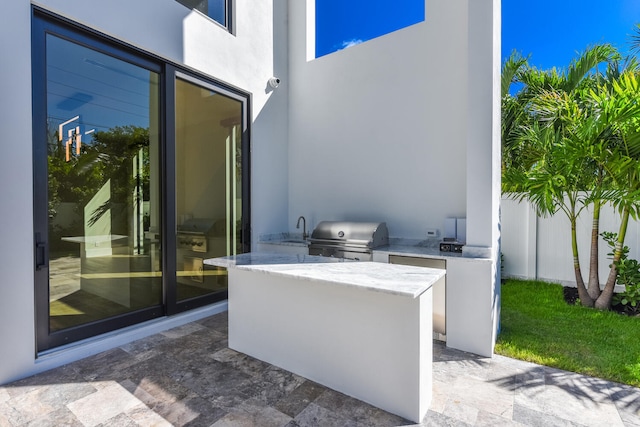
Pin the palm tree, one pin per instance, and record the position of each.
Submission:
(513, 112)
(555, 172)
(617, 108)
(554, 183)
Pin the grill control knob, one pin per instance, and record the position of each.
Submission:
(340, 233)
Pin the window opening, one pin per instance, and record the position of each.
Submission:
(218, 10)
(343, 24)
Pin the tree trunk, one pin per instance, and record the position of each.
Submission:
(594, 280)
(585, 299)
(604, 301)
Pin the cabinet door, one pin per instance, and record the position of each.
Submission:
(439, 289)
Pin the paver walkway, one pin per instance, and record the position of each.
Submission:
(189, 377)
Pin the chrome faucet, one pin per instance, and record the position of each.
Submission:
(304, 227)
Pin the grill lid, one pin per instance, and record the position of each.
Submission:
(340, 233)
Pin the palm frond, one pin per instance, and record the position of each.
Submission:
(634, 41)
(587, 61)
(510, 70)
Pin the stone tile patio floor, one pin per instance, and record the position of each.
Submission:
(189, 377)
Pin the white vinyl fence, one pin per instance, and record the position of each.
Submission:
(540, 248)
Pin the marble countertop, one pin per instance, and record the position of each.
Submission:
(429, 248)
(94, 239)
(257, 259)
(418, 249)
(389, 278)
(425, 249)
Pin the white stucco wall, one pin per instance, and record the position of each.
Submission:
(405, 128)
(165, 28)
(378, 131)
(483, 131)
(483, 181)
(17, 346)
(402, 128)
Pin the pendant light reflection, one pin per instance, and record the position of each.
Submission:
(74, 137)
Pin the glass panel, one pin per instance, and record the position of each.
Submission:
(103, 185)
(215, 9)
(208, 186)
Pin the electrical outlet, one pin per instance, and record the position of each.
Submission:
(433, 232)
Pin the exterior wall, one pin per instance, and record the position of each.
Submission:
(540, 248)
(167, 29)
(478, 293)
(378, 131)
(396, 129)
(472, 305)
(17, 339)
(405, 128)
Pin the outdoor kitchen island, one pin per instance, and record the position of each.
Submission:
(361, 328)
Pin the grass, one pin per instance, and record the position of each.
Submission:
(538, 326)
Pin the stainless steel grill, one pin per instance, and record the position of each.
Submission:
(196, 240)
(346, 239)
(192, 234)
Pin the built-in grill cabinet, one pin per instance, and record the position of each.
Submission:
(198, 239)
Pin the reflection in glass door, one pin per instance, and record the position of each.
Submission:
(102, 188)
(140, 174)
(208, 185)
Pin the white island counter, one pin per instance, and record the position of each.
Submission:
(361, 328)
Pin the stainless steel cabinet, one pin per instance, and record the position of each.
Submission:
(439, 290)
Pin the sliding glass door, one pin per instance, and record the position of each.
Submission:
(140, 174)
(98, 165)
(208, 190)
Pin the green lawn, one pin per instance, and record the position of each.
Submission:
(538, 326)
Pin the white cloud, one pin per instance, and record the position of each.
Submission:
(349, 43)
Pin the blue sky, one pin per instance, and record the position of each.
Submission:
(551, 31)
(340, 23)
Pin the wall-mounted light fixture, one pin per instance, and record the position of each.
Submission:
(274, 82)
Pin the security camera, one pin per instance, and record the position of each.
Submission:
(274, 82)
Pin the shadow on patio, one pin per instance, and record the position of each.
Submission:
(188, 376)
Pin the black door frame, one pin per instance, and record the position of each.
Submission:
(172, 74)
(43, 23)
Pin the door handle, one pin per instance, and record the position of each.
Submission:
(41, 258)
